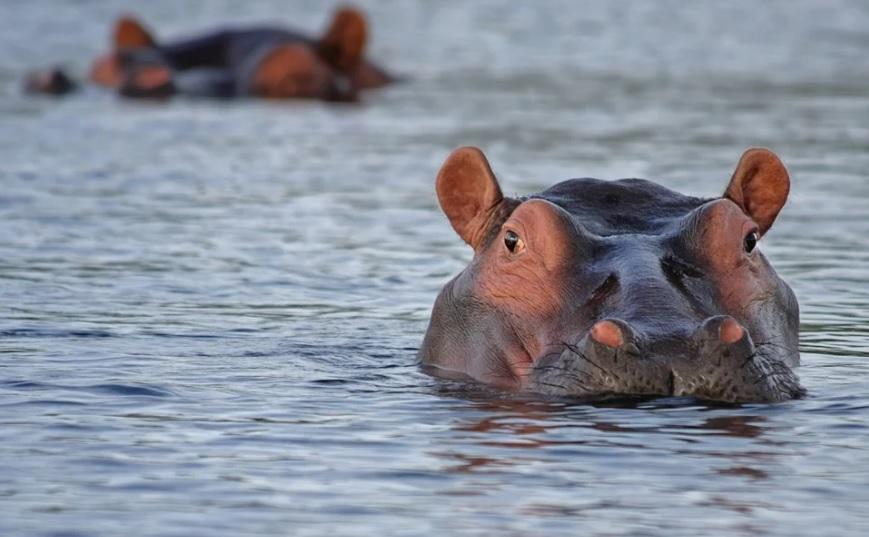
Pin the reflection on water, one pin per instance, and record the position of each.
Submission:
(209, 312)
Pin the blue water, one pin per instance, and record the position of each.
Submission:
(209, 312)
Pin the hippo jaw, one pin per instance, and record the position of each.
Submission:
(718, 362)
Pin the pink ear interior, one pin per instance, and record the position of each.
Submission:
(760, 185)
(468, 193)
(130, 33)
(343, 44)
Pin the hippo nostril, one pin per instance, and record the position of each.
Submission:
(608, 333)
(721, 329)
(730, 331)
(615, 334)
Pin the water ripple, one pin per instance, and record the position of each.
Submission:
(209, 312)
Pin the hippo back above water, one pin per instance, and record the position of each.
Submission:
(597, 289)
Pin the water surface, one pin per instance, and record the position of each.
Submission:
(209, 312)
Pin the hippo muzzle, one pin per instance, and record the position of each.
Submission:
(719, 361)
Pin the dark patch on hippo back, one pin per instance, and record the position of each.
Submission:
(625, 206)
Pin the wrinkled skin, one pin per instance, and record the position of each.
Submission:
(596, 289)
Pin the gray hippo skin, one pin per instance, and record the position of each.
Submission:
(597, 289)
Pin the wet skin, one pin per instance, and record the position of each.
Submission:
(266, 62)
(263, 61)
(596, 289)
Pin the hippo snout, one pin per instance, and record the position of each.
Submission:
(718, 361)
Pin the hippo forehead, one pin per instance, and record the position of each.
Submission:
(625, 206)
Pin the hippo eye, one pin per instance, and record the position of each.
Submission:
(512, 242)
(751, 241)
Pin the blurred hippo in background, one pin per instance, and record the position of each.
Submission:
(261, 61)
(52, 81)
(598, 289)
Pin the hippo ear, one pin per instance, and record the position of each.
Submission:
(469, 194)
(130, 33)
(760, 185)
(343, 44)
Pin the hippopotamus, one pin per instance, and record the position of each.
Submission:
(261, 61)
(596, 289)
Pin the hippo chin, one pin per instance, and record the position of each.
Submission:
(597, 289)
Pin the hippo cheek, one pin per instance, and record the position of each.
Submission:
(741, 293)
(740, 288)
(740, 277)
(526, 271)
(528, 274)
(528, 308)
(522, 294)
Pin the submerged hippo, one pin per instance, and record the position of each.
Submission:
(597, 289)
(260, 61)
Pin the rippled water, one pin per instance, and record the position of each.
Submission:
(209, 312)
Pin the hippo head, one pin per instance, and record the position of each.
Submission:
(597, 289)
